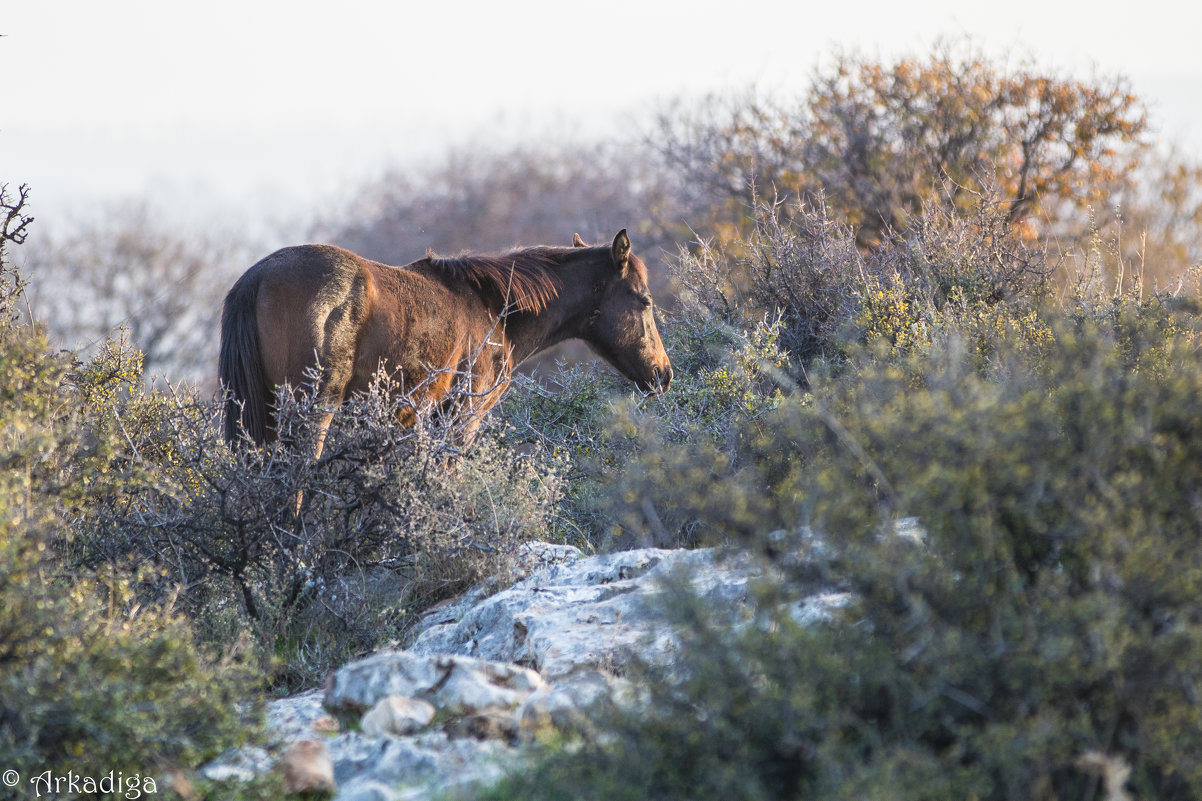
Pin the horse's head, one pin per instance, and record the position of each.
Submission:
(622, 326)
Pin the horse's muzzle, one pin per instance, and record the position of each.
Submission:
(661, 377)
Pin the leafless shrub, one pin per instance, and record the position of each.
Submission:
(391, 518)
(487, 198)
(14, 227)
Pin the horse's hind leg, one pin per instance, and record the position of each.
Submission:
(333, 381)
(323, 428)
(331, 394)
(336, 359)
(340, 311)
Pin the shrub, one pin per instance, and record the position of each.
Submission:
(94, 679)
(830, 295)
(389, 520)
(1035, 635)
(723, 377)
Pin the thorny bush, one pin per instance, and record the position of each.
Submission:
(831, 295)
(390, 519)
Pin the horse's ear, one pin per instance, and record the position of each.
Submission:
(621, 250)
(577, 242)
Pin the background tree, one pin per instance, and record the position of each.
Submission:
(880, 140)
(483, 199)
(128, 269)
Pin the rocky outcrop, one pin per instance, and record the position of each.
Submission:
(591, 614)
(458, 685)
(484, 673)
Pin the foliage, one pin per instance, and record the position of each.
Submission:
(562, 412)
(881, 140)
(830, 295)
(389, 519)
(1037, 622)
(722, 377)
(93, 676)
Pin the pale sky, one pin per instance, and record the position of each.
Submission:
(270, 108)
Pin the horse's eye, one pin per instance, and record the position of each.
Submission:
(645, 300)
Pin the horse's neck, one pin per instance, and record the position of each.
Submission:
(563, 318)
(530, 333)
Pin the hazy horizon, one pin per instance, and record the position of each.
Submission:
(270, 110)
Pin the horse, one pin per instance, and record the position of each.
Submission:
(430, 326)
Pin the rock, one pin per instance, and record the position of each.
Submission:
(397, 714)
(299, 717)
(487, 672)
(530, 557)
(588, 613)
(457, 684)
(534, 556)
(325, 725)
(308, 768)
(486, 726)
(368, 790)
(417, 767)
(910, 528)
(566, 704)
(819, 608)
(242, 764)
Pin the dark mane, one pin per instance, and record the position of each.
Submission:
(524, 279)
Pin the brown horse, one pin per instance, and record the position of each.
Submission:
(431, 324)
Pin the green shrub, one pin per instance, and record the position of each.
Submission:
(97, 681)
(723, 378)
(94, 679)
(830, 295)
(1035, 632)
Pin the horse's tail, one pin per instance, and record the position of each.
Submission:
(240, 365)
